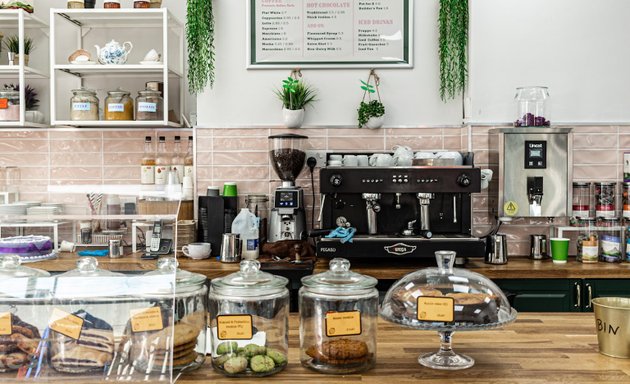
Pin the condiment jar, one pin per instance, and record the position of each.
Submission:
(605, 199)
(531, 103)
(338, 320)
(9, 105)
(149, 105)
(141, 4)
(76, 4)
(610, 240)
(111, 4)
(118, 105)
(84, 105)
(249, 322)
(587, 241)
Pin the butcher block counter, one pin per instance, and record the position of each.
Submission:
(537, 348)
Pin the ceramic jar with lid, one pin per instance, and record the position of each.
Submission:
(149, 105)
(9, 105)
(111, 4)
(249, 320)
(141, 4)
(84, 105)
(338, 320)
(118, 105)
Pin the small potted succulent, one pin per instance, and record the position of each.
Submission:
(372, 112)
(295, 96)
(31, 103)
(12, 44)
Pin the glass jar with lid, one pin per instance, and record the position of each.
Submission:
(581, 200)
(149, 105)
(532, 108)
(118, 105)
(111, 4)
(249, 320)
(446, 299)
(605, 199)
(338, 320)
(72, 4)
(610, 239)
(141, 4)
(9, 105)
(625, 193)
(258, 205)
(84, 105)
(587, 241)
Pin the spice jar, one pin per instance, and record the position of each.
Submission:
(338, 320)
(141, 4)
(610, 242)
(587, 241)
(149, 105)
(9, 105)
(581, 200)
(605, 199)
(74, 4)
(156, 3)
(249, 322)
(84, 105)
(118, 105)
(111, 4)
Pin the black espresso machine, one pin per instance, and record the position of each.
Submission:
(400, 212)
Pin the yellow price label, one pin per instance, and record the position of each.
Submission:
(66, 323)
(235, 327)
(510, 208)
(436, 309)
(146, 319)
(343, 323)
(6, 325)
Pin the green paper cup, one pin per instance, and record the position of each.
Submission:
(559, 250)
(229, 189)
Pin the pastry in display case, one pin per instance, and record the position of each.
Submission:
(338, 320)
(249, 322)
(446, 299)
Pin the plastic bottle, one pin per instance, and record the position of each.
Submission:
(246, 225)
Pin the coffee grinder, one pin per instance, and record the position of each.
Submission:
(288, 219)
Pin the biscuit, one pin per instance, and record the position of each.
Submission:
(183, 334)
(25, 344)
(340, 349)
(13, 360)
(184, 360)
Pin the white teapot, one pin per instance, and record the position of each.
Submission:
(113, 52)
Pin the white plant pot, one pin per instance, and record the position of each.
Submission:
(375, 122)
(293, 118)
(34, 117)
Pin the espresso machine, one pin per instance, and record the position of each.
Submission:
(287, 220)
(400, 212)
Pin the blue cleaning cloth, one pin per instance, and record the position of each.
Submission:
(345, 234)
(97, 253)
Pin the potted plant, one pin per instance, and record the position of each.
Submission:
(31, 103)
(200, 42)
(372, 112)
(13, 45)
(295, 96)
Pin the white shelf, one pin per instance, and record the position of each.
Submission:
(112, 18)
(116, 124)
(117, 70)
(12, 71)
(9, 19)
(16, 124)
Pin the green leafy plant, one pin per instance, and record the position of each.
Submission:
(453, 47)
(200, 38)
(295, 94)
(13, 44)
(18, 5)
(371, 108)
(31, 102)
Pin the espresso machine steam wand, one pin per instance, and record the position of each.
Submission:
(372, 207)
(425, 199)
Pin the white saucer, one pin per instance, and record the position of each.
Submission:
(83, 62)
(150, 62)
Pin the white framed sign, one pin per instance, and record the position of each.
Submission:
(330, 34)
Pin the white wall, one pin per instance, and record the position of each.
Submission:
(244, 97)
(579, 48)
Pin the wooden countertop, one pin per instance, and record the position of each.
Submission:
(537, 348)
(516, 268)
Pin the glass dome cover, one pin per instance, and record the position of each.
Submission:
(184, 281)
(249, 281)
(10, 267)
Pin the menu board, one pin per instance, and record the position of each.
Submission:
(318, 33)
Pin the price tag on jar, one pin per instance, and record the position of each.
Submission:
(235, 327)
(343, 323)
(146, 319)
(115, 107)
(144, 106)
(66, 323)
(4, 103)
(436, 309)
(6, 326)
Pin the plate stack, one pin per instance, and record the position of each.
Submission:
(186, 234)
(14, 209)
(43, 213)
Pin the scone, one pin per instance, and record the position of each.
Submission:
(339, 352)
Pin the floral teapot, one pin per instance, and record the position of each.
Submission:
(113, 52)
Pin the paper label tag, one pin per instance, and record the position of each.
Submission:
(4, 103)
(6, 327)
(147, 174)
(66, 323)
(146, 319)
(343, 323)
(436, 309)
(116, 107)
(235, 327)
(143, 106)
(80, 106)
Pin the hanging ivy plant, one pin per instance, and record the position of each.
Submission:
(200, 38)
(453, 46)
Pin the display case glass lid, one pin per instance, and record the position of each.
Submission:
(184, 281)
(89, 281)
(339, 279)
(249, 281)
(88, 267)
(10, 267)
(446, 298)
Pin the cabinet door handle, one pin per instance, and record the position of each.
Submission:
(589, 289)
(578, 293)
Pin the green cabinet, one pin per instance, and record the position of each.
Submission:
(560, 295)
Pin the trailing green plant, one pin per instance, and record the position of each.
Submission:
(371, 108)
(31, 102)
(453, 47)
(13, 44)
(18, 5)
(295, 94)
(200, 38)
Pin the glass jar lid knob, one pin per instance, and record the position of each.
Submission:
(10, 261)
(250, 267)
(87, 265)
(445, 261)
(167, 264)
(339, 266)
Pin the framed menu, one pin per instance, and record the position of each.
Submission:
(330, 34)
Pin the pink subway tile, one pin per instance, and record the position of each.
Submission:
(316, 143)
(20, 145)
(204, 158)
(240, 144)
(204, 144)
(122, 158)
(204, 173)
(624, 141)
(480, 142)
(243, 132)
(85, 146)
(122, 173)
(419, 143)
(595, 172)
(75, 173)
(33, 173)
(595, 129)
(356, 143)
(595, 141)
(76, 135)
(24, 135)
(241, 158)
(581, 157)
(75, 159)
(453, 143)
(413, 131)
(132, 134)
(244, 187)
(454, 131)
(32, 159)
(241, 173)
(204, 132)
(336, 132)
(124, 145)
(310, 132)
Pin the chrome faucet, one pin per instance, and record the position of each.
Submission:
(425, 199)
(372, 207)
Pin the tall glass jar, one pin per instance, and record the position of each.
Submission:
(84, 105)
(9, 105)
(531, 103)
(338, 320)
(605, 199)
(258, 205)
(249, 321)
(118, 105)
(149, 105)
(610, 240)
(625, 193)
(588, 241)
(581, 200)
